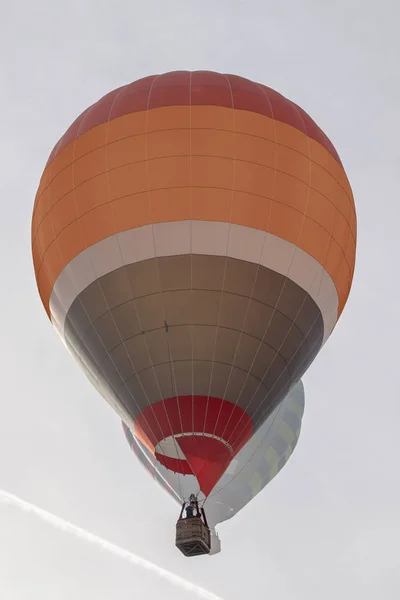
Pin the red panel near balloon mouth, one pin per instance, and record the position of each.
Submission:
(209, 432)
(186, 414)
(208, 458)
(176, 465)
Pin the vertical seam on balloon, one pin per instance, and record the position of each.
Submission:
(351, 271)
(324, 271)
(266, 237)
(135, 372)
(191, 281)
(155, 247)
(161, 292)
(191, 244)
(226, 254)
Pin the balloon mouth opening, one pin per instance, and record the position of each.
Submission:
(203, 456)
(194, 435)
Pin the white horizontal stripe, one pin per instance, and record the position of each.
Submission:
(196, 237)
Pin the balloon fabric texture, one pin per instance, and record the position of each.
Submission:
(194, 242)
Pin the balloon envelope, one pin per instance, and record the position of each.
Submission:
(194, 238)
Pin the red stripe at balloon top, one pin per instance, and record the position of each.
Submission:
(199, 88)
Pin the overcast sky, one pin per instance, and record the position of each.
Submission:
(329, 525)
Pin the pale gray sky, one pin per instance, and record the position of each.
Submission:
(328, 526)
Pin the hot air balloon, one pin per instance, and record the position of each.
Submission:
(194, 240)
